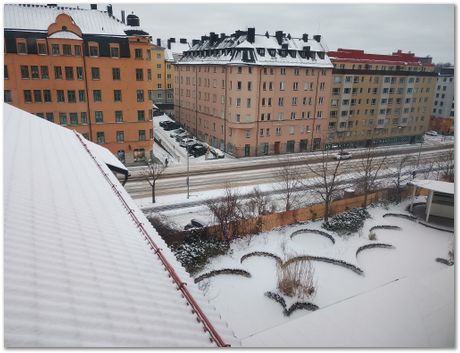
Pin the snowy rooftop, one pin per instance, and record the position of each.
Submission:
(37, 18)
(79, 270)
(435, 185)
(244, 48)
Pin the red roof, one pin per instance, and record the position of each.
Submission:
(342, 55)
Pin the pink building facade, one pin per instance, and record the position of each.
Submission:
(253, 95)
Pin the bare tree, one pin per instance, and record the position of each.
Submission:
(258, 203)
(152, 173)
(288, 178)
(369, 171)
(227, 212)
(328, 175)
(401, 176)
(446, 166)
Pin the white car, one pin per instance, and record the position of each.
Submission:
(187, 142)
(432, 133)
(343, 155)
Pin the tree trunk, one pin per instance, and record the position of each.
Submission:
(153, 193)
(326, 210)
(366, 192)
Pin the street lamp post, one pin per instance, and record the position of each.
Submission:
(188, 173)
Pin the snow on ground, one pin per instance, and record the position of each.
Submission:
(242, 303)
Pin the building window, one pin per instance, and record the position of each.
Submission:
(69, 73)
(37, 96)
(27, 96)
(35, 72)
(41, 48)
(73, 118)
(24, 72)
(44, 72)
(58, 73)
(21, 46)
(83, 118)
(140, 115)
(141, 135)
(79, 73)
(55, 49)
(97, 95)
(7, 96)
(120, 136)
(47, 96)
(114, 51)
(71, 96)
(118, 116)
(60, 96)
(77, 50)
(99, 117)
(138, 53)
(63, 118)
(149, 74)
(140, 95)
(93, 50)
(50, 117)
(67, 49)
(82, 95)
(100, 138)
(139, 75)
(283, 71)
(95, 73)
(117, 95)
(116, 73)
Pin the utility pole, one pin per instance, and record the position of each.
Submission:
(188, 173)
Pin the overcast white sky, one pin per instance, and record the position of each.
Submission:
(424, 29)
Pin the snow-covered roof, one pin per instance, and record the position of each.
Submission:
(37, 18)
(104, 155)
(435, 185)
(410, 312)
(262, 50)
(169, 55)
(64, 35)
(83, 267)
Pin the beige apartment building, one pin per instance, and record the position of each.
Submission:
(255, 94)
(380, 99)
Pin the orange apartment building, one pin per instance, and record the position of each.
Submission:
(84, 69)
(379, 99)
(255, 94)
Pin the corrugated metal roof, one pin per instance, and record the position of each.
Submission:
(78, 272)
(38, 17)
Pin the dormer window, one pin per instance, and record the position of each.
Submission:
(21, 46)
(41, 47)
(302, 54)
(261, 51)
(321, 55)
(272, 52)
(292, 53)
(93, 49)
(114, 50)
(282, 52)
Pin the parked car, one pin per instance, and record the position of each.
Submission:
(197, 151)
(172, 126)
(432, 133)
(182, 136)
(157, 112)
(343, 155)
(165, 122)
(187, 142)
(176, 132)
(216, 153)
(194, 223)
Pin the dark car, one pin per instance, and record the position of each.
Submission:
(157, 113)
(165, 122)
(172, 126)
(194, 223)
(197, 151)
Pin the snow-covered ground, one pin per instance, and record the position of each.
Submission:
(241, 300)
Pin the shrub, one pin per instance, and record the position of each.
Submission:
(348, 222)
(296, 279)
(372, 236)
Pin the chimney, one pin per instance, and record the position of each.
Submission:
(93, 6)
(195, 42)
(172, 40)
(267, 34)
(223, 35)
(317, 37)
(51, 5)
(279, 36)
(183, 41)
(305, 37)
(251, 35)
(284, 46)
(159, 42)
(169, 43)
(109, 10)
(123, 16)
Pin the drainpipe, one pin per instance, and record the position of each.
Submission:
(87, 92)
(225, 108)
(314, 110)
(257, 117)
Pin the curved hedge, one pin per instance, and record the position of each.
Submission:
(315, 231)
(444, 261)
(400, 215)
(376, 245)
(264, 254)
(385, 226)
(296, 306)
(224, 271)
(342, 263)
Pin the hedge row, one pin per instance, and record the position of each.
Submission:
(385, 226)
(264, 254)
(444, 261)
(296, 306)
(315, 231)
(376, 245)
(328, 260)
(224, 271)
(400, 215)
